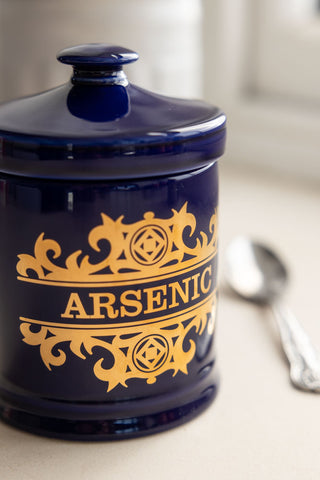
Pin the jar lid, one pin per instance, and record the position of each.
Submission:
(100, 126)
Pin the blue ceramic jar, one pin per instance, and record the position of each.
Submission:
(108, 254)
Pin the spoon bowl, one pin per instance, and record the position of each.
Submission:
(257, 274)
(254, 271)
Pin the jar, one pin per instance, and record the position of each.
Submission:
(108, 254)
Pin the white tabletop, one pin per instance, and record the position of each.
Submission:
(259, 427)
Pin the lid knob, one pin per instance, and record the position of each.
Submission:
(98, 63)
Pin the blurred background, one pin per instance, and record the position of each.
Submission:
(257, 59)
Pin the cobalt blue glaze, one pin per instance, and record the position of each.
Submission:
(77, 130)
(108, 256)
(97, 54)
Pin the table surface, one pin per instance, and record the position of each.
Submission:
(259, 427)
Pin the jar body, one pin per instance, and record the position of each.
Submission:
(107, 306)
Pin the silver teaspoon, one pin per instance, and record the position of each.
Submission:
(254, 272)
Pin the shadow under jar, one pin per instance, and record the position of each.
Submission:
(108, 254)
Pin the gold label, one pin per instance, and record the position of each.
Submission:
(155, 284)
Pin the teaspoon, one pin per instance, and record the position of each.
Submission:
(255, 272)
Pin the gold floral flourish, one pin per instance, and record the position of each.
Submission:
(127, 253)
(143, 351)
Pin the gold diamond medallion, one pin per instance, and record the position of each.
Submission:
(149, 245)
(151, 353)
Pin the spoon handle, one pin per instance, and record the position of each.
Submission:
(303, 357)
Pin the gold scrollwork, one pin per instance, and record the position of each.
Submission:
(147, 248)
(143, 351)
